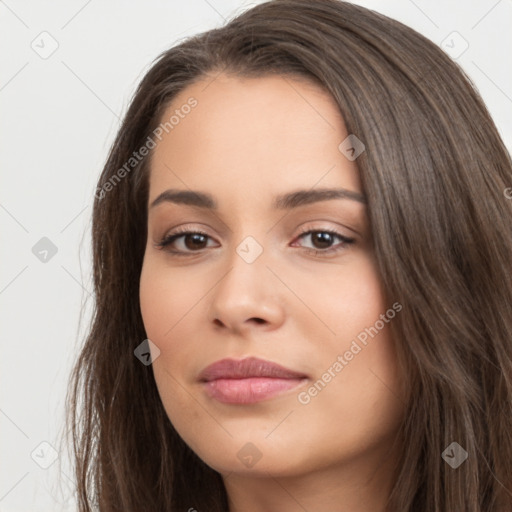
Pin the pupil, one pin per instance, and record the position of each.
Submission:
(197, 239)
(323, 238)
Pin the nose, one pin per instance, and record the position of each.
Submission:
(247, 297)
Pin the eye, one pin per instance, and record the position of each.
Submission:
(322, 240)
(192, 241)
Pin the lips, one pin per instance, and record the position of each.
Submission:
(248, 380)
(245, 368)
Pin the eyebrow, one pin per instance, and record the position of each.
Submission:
(281, 202)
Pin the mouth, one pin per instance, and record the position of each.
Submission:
(248, 380)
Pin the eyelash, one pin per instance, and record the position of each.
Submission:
(180, 232)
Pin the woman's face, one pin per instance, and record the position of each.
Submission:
(286, 277)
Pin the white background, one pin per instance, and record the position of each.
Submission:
(59, 116)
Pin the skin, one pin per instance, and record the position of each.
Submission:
(246, 141)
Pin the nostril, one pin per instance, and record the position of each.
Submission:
(219, 323)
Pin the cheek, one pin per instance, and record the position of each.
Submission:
(165, 301)
(363, 401)
(346, 299)
(165, 298)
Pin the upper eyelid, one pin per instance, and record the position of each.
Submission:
(306, 226)
(186, 229)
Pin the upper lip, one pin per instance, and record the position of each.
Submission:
(245, 368)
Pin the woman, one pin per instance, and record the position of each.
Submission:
(303, 280)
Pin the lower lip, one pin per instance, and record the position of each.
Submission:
(249, 390)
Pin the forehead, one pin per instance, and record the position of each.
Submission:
(251, 138)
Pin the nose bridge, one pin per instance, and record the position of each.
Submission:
(246, 270)
(249, 239)
(245, 292)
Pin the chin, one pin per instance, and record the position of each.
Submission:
(254, 456)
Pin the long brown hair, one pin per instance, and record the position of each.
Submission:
(434, 174)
